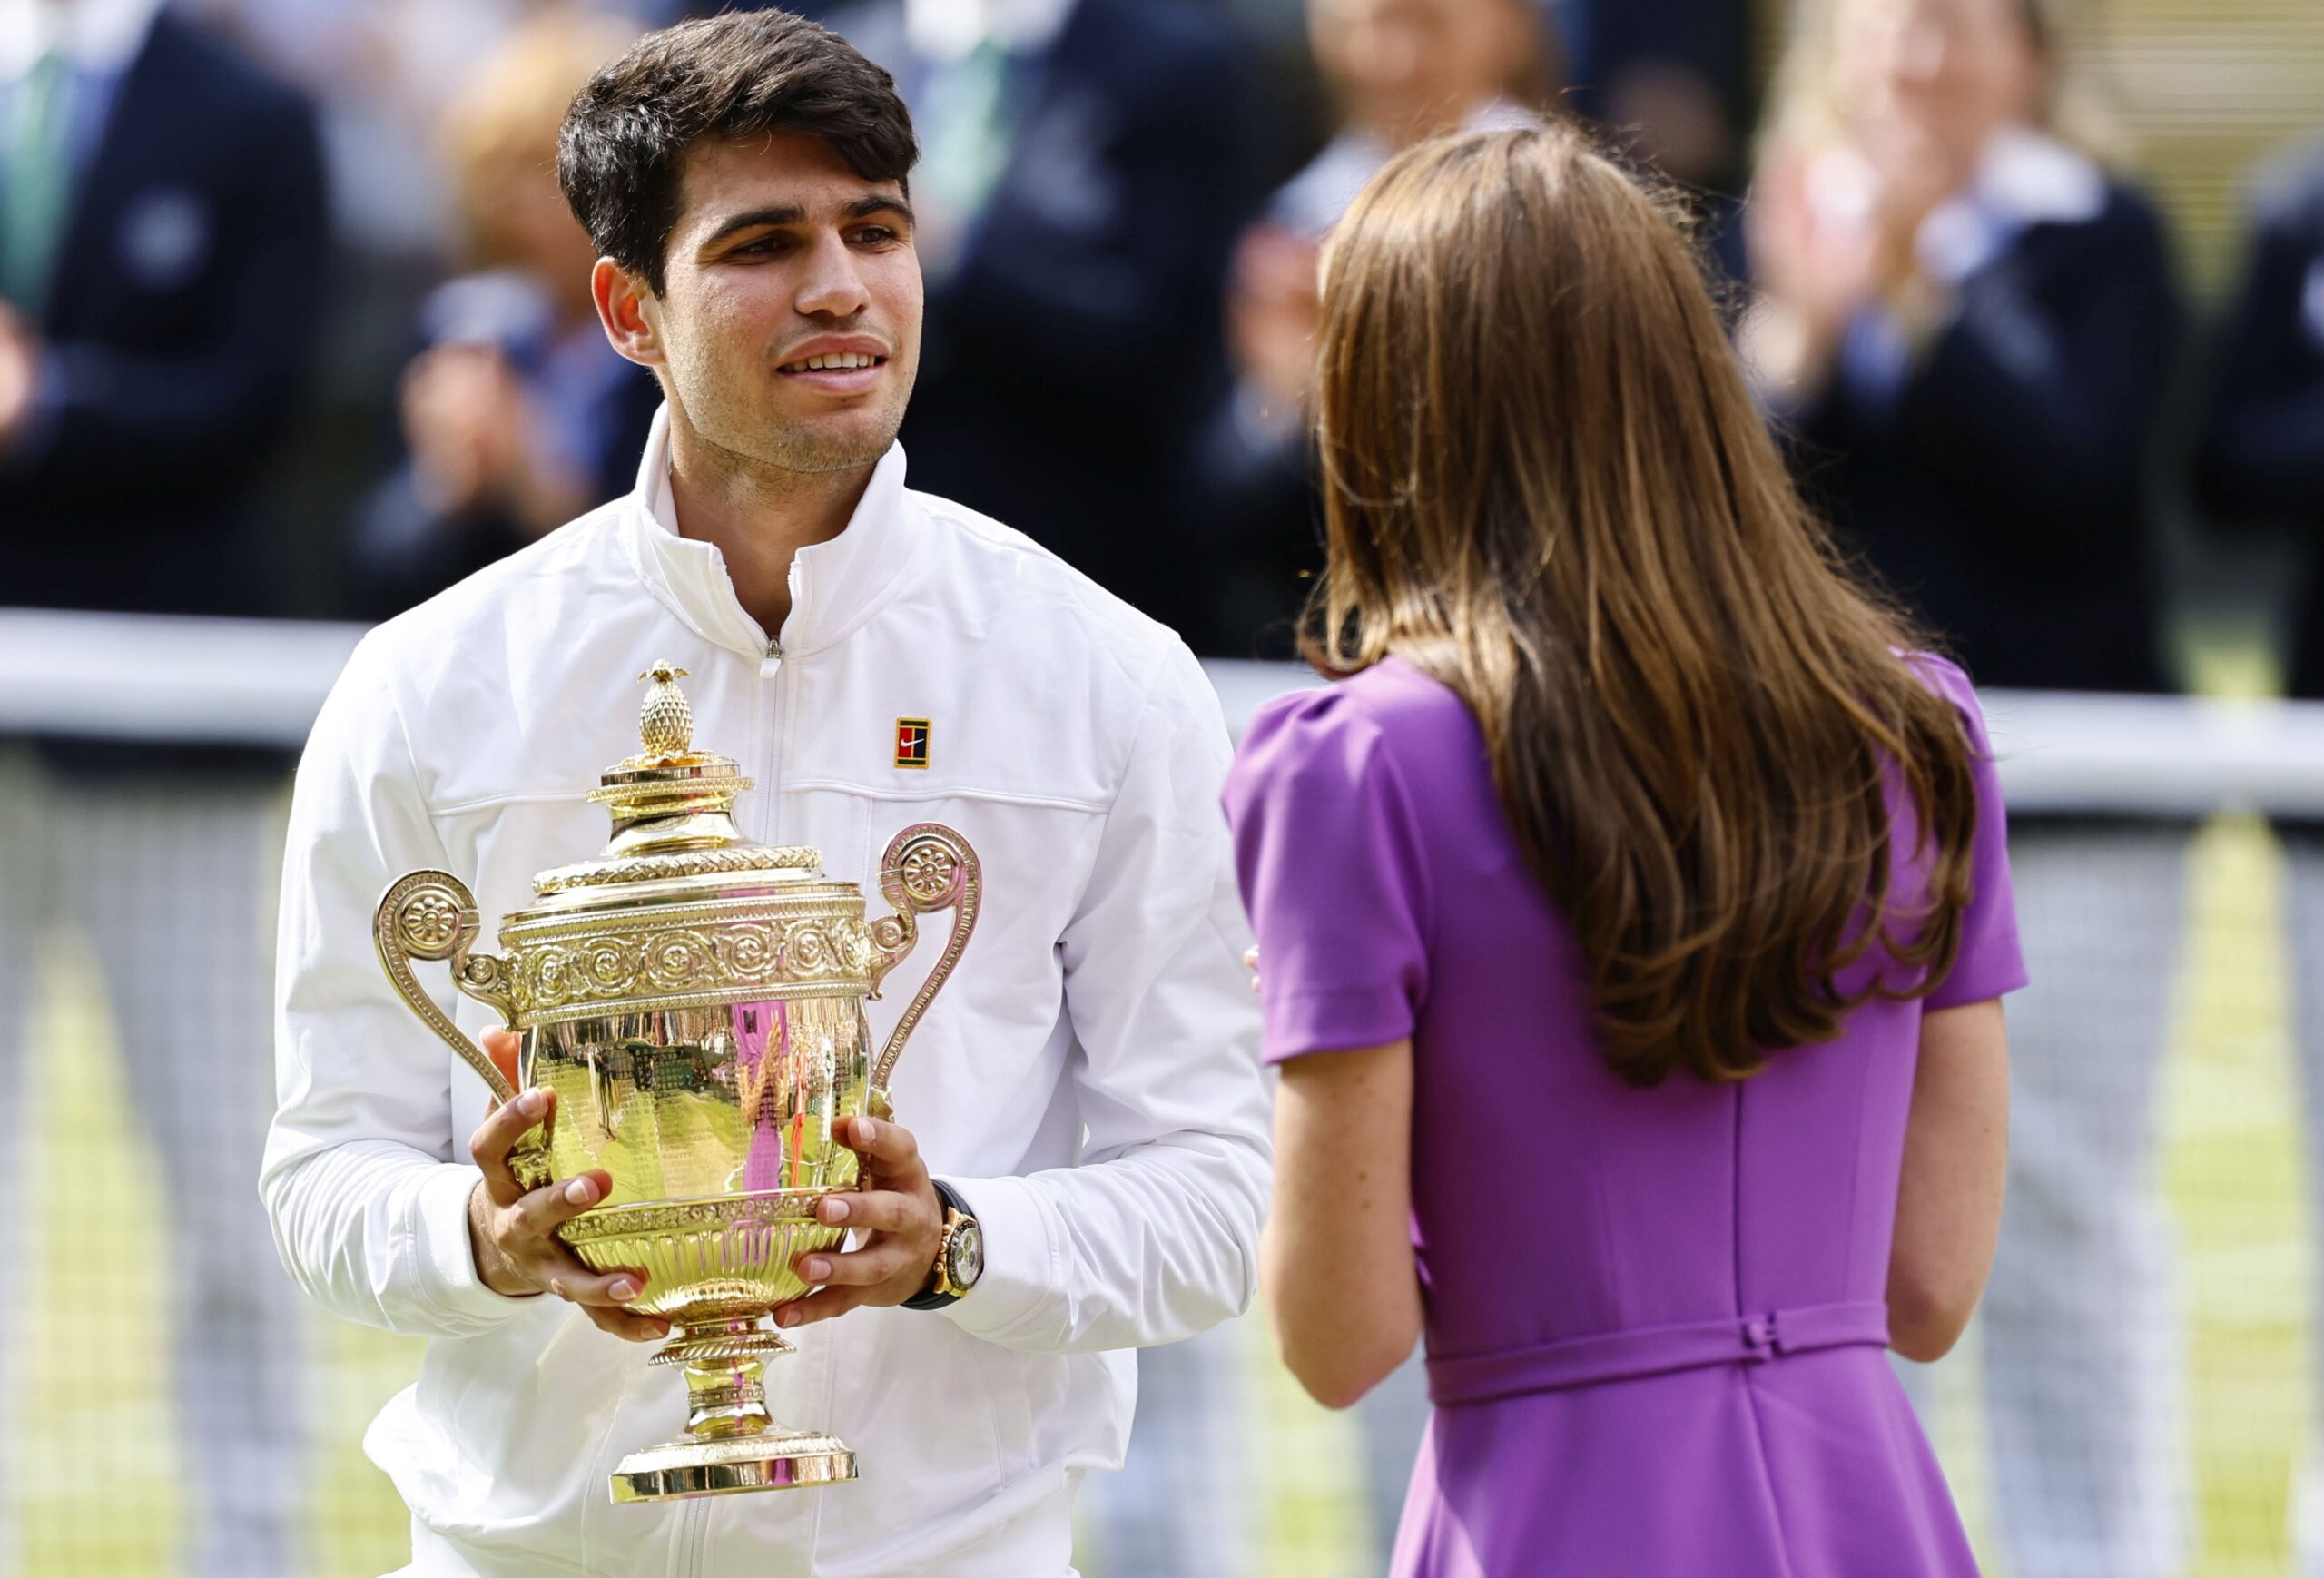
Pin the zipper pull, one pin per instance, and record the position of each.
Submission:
(771, 664)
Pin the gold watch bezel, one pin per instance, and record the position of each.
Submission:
(955, 1219)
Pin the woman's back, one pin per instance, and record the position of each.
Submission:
(1655, 1315)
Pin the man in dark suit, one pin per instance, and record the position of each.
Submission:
(1082, 183)
(163, 233)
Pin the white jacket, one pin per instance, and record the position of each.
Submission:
(1089, 1080)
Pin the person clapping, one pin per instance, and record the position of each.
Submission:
(516, 415)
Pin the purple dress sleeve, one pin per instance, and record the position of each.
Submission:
(1990, 961)
(1327, 853)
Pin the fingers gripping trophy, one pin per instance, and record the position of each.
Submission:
(693, 1002)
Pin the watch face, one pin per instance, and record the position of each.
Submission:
(968, 1256)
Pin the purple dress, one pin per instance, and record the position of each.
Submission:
(1656, 1318)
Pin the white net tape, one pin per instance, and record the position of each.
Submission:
(149, 676)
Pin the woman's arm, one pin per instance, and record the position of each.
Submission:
(1948, 1203)
(1335, 1262)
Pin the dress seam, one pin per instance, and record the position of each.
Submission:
(1750, 1392)
(1863, 1071)
(1767, 1475)
(1735, 1198)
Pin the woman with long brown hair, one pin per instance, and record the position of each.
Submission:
(1647, 891)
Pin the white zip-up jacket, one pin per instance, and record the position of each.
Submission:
(1089, 1080)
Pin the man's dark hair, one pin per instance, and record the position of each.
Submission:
(621, 150)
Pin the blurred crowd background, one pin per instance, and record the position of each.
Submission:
(294, 323)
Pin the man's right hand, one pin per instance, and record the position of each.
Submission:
(513, 1232)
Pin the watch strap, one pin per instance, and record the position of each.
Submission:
(955, 1209)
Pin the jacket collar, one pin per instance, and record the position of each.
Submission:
(835, 585)
(2029, 177)
(2024, 177)
(100, 37)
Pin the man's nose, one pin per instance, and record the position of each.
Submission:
(832, 286)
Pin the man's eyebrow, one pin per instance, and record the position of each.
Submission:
(878, 202)
(755, 218)
(791, 213)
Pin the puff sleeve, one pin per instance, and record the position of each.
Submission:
(1327, 853)
(1990, 961)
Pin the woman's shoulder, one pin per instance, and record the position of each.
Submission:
(1388, 717)
(1390, 706)
(1940, 673)
(1949, 680)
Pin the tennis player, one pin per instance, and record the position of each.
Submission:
(1087, 1088)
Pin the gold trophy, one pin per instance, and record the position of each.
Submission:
(695, 1001)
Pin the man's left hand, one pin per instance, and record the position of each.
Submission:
(899, 1219)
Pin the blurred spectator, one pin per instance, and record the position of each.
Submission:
(2261, 461)
(2262, 464)
(1671, 79)
(383, 72)
(162, 263)
(380, 70)
(518, 415)
(162, 251)
(1399, 70)
(1975, 321)
(1079, 181)
(1970, 323)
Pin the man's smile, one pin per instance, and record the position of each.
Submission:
(848, 366)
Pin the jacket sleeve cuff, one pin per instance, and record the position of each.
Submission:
(1024, 1265)
(444, 1255)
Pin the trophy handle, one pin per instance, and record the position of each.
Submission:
(432, 915)
(926, 867)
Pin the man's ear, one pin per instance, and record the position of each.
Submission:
(628, 312)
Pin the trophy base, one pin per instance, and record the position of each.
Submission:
(785, 1460)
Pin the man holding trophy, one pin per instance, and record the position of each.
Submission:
(702, 1146)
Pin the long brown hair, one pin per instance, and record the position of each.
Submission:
(1547, 486)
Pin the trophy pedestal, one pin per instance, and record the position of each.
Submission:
(732, 1443)
(778, 1460)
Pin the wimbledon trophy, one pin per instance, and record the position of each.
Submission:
(697, 1003)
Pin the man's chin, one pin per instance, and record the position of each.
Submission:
(824, 445)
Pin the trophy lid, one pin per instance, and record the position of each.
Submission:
(673, 815)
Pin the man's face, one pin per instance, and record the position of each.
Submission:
(789, 317)
(1932, 79)
(1406, 68)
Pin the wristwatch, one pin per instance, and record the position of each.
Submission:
(959, 1254)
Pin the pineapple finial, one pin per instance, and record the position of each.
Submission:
(666, 723)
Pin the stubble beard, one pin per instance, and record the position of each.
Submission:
(755, 438)
(798, 448)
